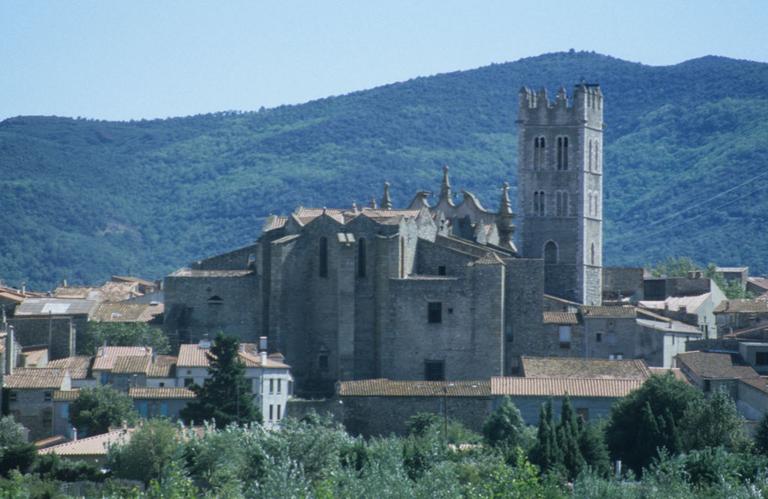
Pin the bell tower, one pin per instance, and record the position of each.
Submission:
(560, 189)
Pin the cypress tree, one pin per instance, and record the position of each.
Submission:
(569, 432)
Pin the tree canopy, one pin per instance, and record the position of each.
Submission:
(98, 408)
(126, 334)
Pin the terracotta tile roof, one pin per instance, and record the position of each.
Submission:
(670, 326)
(647, 314)
(106, 356)
(675, 303)
(161, 393)
(163, 367)
(676, 372)
(741, 306)
(126, 312)
(573, 367)
(274, 222)
(560, 318)
(391, 388)
(33, 356)
(185, 272)
(760, 282)
(50, 441)
(91, 446)
(489, 258)
(55, 306)
(757, 383)
(130, 278)
(558, 387)
(35, 378)
(78, 366)
(131, 364)
(65, 395)
(619, 312)
(715, 365)
(192, 355)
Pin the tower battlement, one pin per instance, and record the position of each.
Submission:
(584, 106)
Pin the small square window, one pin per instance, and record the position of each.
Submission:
(189, 382)
(161, 384)
(434, 312)
(322, 362)
(441, 270)
(761, 358)
(599, 337)
(48, 396)
(434, 370)
(12, 397)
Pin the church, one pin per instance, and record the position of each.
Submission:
(440, 289)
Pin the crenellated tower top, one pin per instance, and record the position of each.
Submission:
(584, 107)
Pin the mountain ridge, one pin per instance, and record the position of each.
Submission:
(86, 198)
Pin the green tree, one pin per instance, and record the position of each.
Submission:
(126, 334)
(505, 427)
(546, 453)
(674, 267)
(149, 453)
(96, 409)
(569, 438)
(225, 397)
(15, 452)
(761, 435)
(712, 422)
(594, 450)
(420, 423)
(648, 419)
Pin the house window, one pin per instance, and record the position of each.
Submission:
(271, 386)
(761, 358)
(279, 408)
(361, 258)
(322, 362)
(435, 312)
(707, 385)
(564, 332)
(434, 370)
(161, 384)
(271, 410)
(12, 397)
(322, 269)
(48, 396)
(550, 253)
(279, 390)
(47, 416)
(599, 337)
(189, 382)
(441, 270)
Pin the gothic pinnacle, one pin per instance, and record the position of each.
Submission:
(445, 188)
(386, 201)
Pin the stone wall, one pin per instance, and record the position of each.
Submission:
(59, 334)
(382, 416)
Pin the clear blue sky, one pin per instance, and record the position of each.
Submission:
(158, 58)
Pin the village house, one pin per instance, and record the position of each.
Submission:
(28, 393)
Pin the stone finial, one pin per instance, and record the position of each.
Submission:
(562, 95)
(354, 207)
(445, 187)
(386, 200)
(373, 203)
(505, 208)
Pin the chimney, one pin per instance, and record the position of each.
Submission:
(262, 343)
(10, 350)
(64, 283)
(263, 355)
(74, 434)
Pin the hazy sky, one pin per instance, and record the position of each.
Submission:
(158, 58)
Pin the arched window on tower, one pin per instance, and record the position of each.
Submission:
(361, 257)
(322, 253)
(539, 203)
(597, 156)
(539, 148)
(592, 254)
(536, 203)
(589, 161)
(561, 204)
(562, 153)
(550, 253)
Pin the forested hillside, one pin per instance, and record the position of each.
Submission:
(82, 199)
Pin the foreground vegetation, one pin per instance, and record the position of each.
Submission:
(678, 445)
(86, 198)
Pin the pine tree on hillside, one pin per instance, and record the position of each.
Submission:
(547, 451)
(225, 396)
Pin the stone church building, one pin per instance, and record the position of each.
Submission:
(435, 290)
